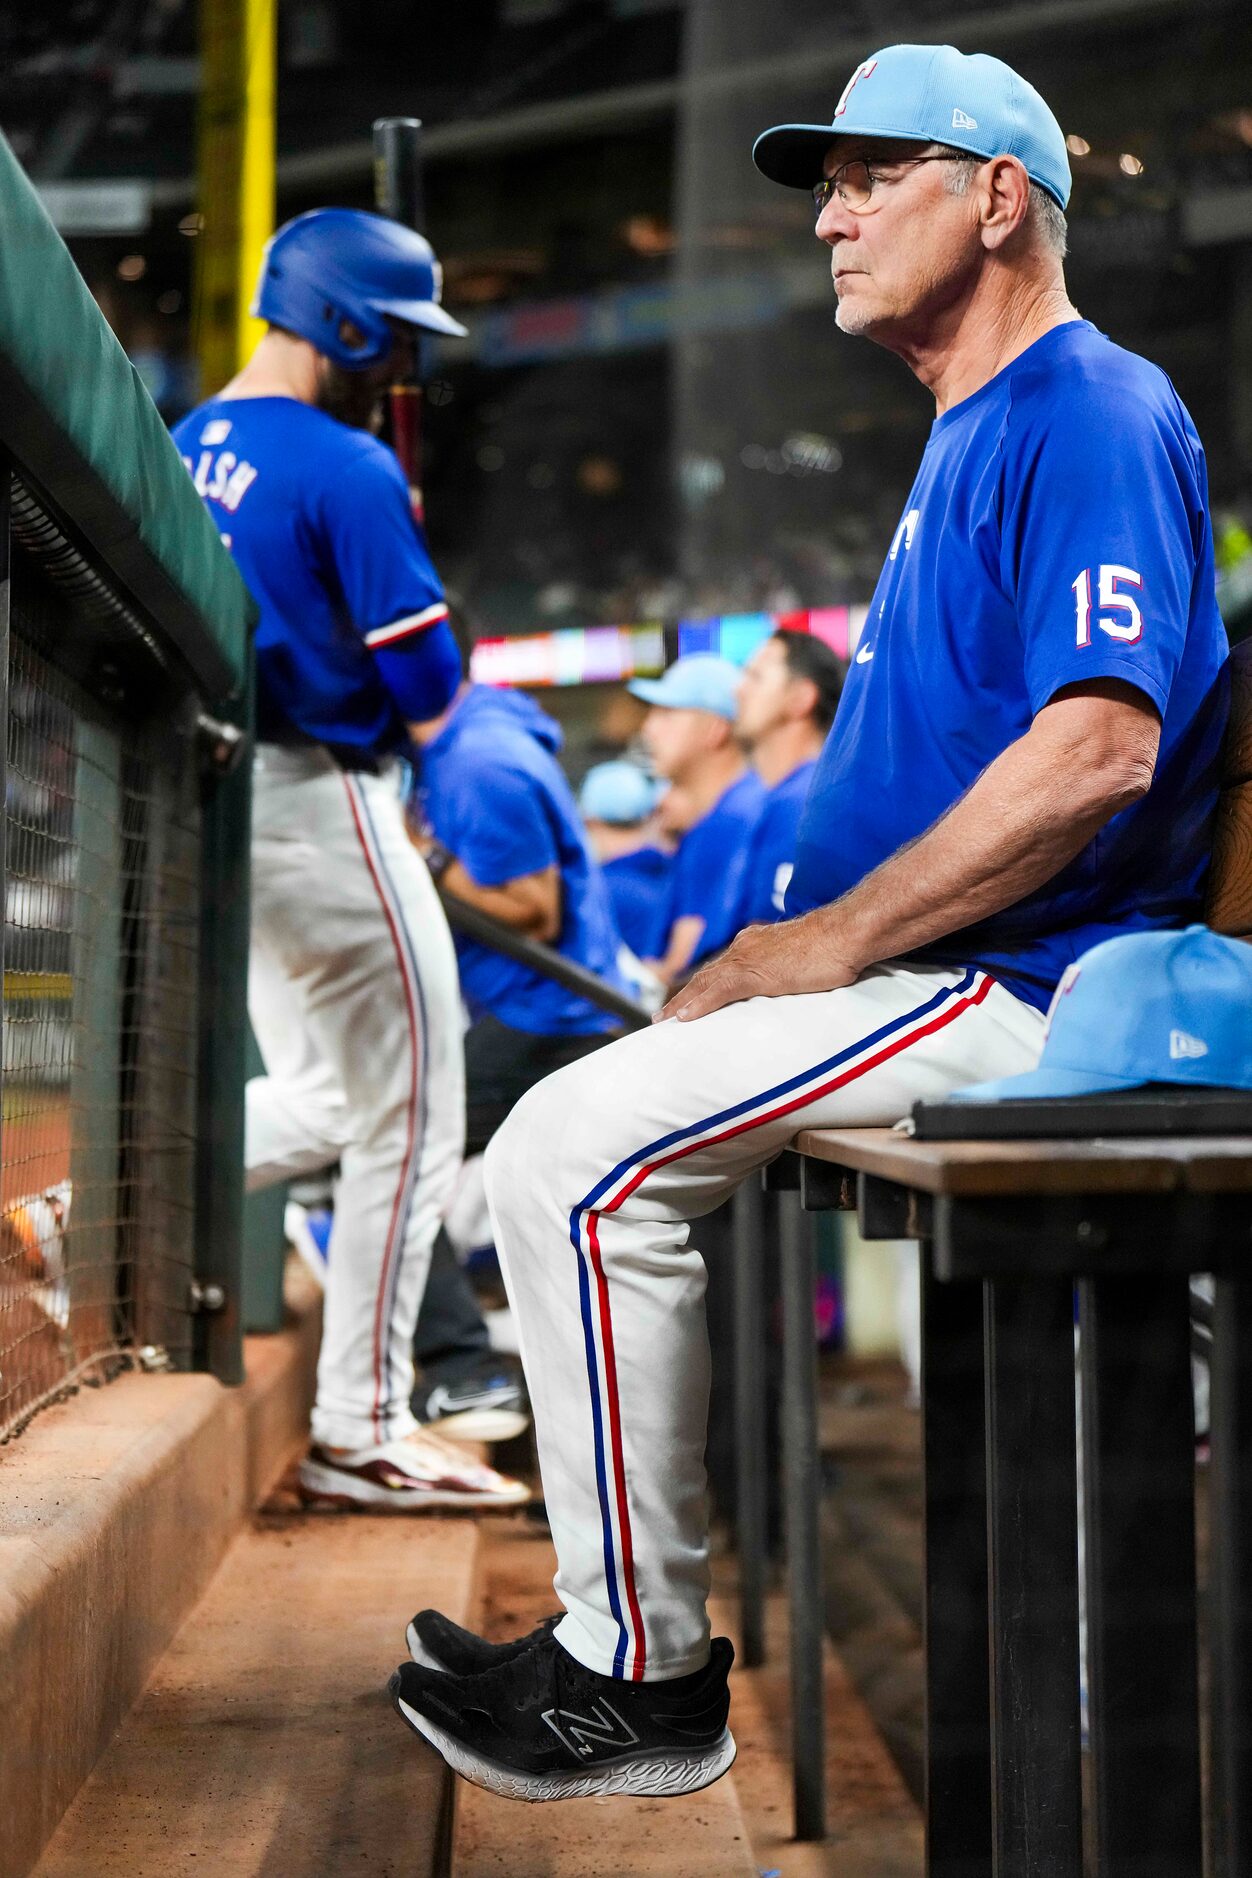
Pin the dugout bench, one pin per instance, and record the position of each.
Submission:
(1123, 1198)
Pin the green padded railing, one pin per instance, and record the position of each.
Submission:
(77, 420)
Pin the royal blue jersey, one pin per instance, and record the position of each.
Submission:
(490, 789)
(639, 890)
(352, 638)
(1057, 532)
(773, 854)
(711, 866)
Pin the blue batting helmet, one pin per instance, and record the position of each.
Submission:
(332, 265)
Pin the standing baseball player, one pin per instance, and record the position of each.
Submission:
(353, 985)
(1024, 762)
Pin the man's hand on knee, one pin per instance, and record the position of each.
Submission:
(765, 962)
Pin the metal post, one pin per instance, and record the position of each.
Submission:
(750, 1461)
(6, 485)
(1231, 1621)
(802, 1486)
(1032, 1549)
(223, 1022)
(235, 178)
(958, 1709)
(1139, 1507)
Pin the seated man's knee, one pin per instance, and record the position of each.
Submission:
(528, 1151)
(512, 1164)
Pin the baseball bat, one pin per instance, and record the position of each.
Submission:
(544, 959)
(398, 193)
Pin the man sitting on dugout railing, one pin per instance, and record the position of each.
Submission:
(1025, 762)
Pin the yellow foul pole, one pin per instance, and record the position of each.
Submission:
(235, 183)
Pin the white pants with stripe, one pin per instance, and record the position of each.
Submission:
(354, 999)
(592, 1182)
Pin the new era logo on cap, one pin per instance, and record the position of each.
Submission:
(962, 121)
(1182, 1046)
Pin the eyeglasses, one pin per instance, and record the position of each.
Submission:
(854, 182)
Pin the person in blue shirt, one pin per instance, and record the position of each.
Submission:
(689, 734)
(1024, 761)
(352, 977)
(618, 804)
(787, 698)
(493, 811)
(490, 807)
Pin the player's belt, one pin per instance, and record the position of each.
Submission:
(343, 756)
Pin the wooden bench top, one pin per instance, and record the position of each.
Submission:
(1132, 1164)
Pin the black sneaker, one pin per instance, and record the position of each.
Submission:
(541, 1727)
(437, 1643)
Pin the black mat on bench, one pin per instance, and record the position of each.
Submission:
(1158, 1109)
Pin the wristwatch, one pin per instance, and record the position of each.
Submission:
(438, 859)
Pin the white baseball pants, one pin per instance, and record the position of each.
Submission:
(591, 1183)
(354, 999)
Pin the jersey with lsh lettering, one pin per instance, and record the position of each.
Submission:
(317, 516)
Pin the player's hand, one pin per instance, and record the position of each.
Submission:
(764, 962)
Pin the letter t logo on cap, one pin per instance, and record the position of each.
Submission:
(862, 71)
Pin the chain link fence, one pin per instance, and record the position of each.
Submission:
(101, 961)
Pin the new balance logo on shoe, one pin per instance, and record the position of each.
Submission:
(1183, 1046)
(580, 1733)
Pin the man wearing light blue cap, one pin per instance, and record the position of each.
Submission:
(1024, 763)
(690, 736)
(618, 805)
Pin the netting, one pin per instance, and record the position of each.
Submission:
(99, 1032)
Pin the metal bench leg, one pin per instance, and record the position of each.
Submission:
(802, 1485)
(750, 1461)
(958, 1709)
(1139, 1502)
(1231, 1625)
(1032, 1534)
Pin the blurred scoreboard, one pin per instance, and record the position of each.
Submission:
(598, 655)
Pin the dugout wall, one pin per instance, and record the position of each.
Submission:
(125, 665)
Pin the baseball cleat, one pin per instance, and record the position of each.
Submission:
(409, 1475)
(541, 1727)
(437, 1643)
(477, 1408)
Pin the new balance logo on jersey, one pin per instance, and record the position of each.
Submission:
(1183, 1046)
(581, 1734)
(960, 120)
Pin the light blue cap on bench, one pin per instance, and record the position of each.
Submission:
(1147, 1007)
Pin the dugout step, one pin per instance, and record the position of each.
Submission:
(265, 1743)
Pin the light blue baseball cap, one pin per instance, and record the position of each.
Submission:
(929, 94)
(699, 682)
(1173, 1007)
(618, 792)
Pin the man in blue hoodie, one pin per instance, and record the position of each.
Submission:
(496, 817)
(492, 811)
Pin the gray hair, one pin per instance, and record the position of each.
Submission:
(1045, 214)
